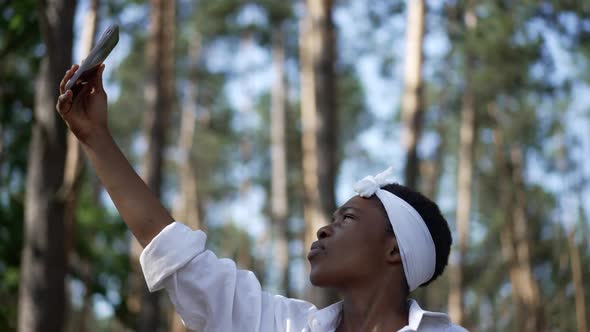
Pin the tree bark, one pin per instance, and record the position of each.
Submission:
(74, 161)
(577, 276)
(431, 297)
(187, 209)
(159, 93)
(524, 283)
(464, 193)
(514, 234)
(433, 169)
(279, 199)
(319, 122)
(464, 183)
(74, 167)
(563, 303)
(506, 195)
(42, 288)
(569, 226)
(412, 102)
(85, 270)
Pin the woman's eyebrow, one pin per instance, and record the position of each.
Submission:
(350, 208)
(344, 209)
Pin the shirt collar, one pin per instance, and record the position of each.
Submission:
(420, 316)
(328, 318)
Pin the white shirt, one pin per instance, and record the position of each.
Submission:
(211, 294)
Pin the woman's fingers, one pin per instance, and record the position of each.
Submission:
(69, 73)
(99, 78)
(83, 93)
(62, 84)
(64, 103)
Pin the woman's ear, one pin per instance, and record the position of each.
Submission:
(393, 255)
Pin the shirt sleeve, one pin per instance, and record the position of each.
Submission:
(211, 294)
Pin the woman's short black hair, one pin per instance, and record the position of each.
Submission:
(436, 223)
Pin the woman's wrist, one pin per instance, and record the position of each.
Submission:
(98, 138)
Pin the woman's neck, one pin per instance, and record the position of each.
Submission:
(375, 307)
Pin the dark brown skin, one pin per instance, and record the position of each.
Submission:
(357, 256)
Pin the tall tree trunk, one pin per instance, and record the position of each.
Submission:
(563, 303)
(74, 167)
(506, 205)
(279, 200)
(412, 103)
(566, 168)
(577, 276)
(524, 283)
(160, 97)
(433, 169)
(187, 209)
(74, 161)
(514, 234)
(84, 269)
(319, 122)
(42, 289)
(464, 193)
(432, 298)
(464, 184)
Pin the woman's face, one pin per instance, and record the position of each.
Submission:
(354, 247)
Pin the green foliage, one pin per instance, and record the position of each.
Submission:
(101, 244)
(126, 112)
(231, 241)
(19, 50)
(11, 230)
(19, 41)
(20, 27)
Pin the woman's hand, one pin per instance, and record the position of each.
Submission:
(86, 113)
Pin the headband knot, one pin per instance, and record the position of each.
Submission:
(368, 186)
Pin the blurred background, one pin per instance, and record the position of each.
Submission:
(253, 119)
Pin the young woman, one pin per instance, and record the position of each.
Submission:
(382, 244)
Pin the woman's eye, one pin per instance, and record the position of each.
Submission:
(348, 217)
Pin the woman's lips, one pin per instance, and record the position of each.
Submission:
(314, 252)
(316, 249)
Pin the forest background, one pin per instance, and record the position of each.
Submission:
(253, 119)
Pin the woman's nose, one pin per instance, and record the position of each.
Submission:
(324, 232)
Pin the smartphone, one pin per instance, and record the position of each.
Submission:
(97, 55)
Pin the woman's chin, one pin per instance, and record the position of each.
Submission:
(320, 284)
(319, 279)
(316, 279)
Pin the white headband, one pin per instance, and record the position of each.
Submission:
(413, 237)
